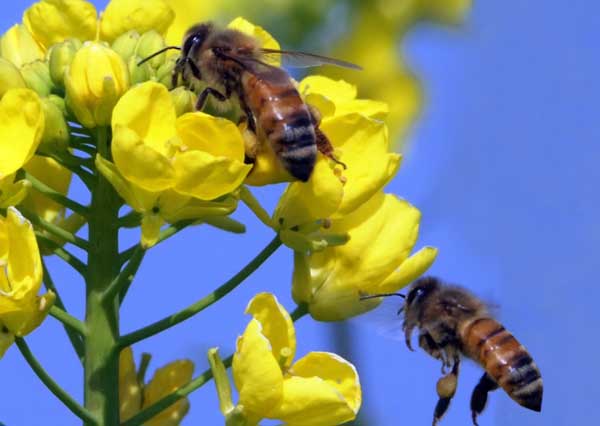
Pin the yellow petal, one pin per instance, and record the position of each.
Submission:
(147, 109)
(140, 163)
(130, 392)
(265, 39)
(217, 136)
(22, 121)
(316, 199)
(121, 16)
(277, 326)
(26, 314)
(56, 177)
(52, 21)
(19, 47)
(167, 380)
(256, 372)
(24, 263)
(188, 13)
(175, 207)
(151, 224)
(139, 199)
(266, 167)
(207, 177)
(363, 145)
(411, 269)
(312, 401)
(325, 93)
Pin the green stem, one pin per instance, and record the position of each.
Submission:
(131, 220)
(68, 320)
(254, 205)
(75, 338)
(86, 177)
(55, 230)
(121, 283)
(62, 253)
(190, 311)
(164, 403)
(56, 196)
(102, 315)
(54, 387)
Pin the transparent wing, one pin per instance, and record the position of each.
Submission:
(383, 320)
(305, 60)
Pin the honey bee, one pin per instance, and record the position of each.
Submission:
(233, 65)
(453, 322)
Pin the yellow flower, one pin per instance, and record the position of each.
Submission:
(21, 309)
(135, 396)
(21, 128)
(196, 155)
(318, 389)
(188, 13)
(360, 140)
(94, 83)
(52, 21)
(376, 259)
(19, 47)
(121, 16)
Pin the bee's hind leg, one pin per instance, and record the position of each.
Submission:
(323, 144)
(446, 388)
(480, 393)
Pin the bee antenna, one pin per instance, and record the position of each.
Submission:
(373, 296)
(158, 53)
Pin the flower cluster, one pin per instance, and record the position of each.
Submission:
(76, 100)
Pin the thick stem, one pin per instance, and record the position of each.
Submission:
(102, 315)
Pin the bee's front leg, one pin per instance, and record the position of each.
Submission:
(429, 345)
(446, 388)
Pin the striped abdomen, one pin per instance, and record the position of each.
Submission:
(284, 118)
(504, 359)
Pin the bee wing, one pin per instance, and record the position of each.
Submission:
(306, 60)
(384, 320)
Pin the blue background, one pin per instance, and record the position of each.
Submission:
(503, 165)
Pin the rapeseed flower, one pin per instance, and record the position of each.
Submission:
(135, 395)
(21, 309)
(319, 389)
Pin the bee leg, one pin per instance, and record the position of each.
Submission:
(204, 97)
(248, 112)
(480, 393)
(446, 388)
(324, 146)
(427, 343)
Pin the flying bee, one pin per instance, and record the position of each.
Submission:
(233, 65)
(453, 322)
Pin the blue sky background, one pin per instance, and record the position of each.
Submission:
(504, 166)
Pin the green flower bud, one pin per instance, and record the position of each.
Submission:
(184, 100)
(37, 77)
(150, 43)
(139, 73)
(60, 57)
(165, 71)
(59, 102)
(56, 132)
(125, 45)
(10, 77)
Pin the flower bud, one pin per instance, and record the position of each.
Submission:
(37, 77)
(150, 43)
(56, 132)
(60, 57)
(18, 46)
(125, 45)
(10, 77)
(165, 71)
(59, 103)
(94, 82)
(139, 73)
(184, 100)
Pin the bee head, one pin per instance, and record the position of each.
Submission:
(420, 290)
(195, 37)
